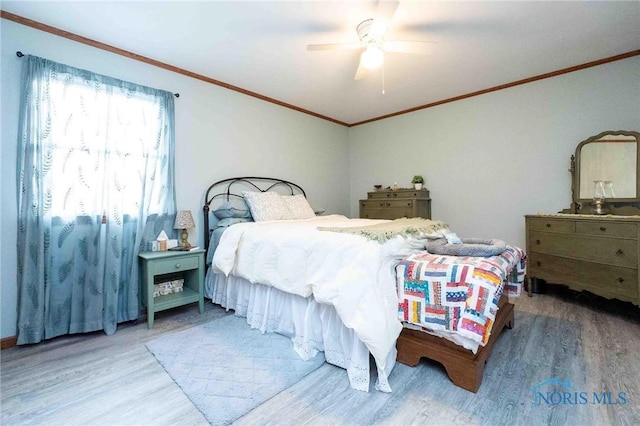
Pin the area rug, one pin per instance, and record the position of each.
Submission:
(226, 368)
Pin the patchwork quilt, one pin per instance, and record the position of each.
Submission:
(458, 294)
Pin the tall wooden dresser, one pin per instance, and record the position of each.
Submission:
(394, 204)
(598, 254)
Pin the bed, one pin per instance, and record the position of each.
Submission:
(327, 282)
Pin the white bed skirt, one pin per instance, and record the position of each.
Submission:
(310, 325)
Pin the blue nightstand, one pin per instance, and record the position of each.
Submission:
(168, 265)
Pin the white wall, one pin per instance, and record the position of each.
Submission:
(491, 159)
(219, 134)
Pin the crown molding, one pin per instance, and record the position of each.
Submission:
(103, 46)
(99, 45)
(506, 86)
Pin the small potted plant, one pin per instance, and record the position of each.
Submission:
(417, 182)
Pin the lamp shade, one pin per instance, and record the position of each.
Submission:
(184, 220)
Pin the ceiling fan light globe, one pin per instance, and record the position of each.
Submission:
(372, 57)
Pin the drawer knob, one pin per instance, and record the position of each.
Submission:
(381, 204)
(538, 242)
(548, 225)
(409, 204)
(620, 252)
(538, 263)
(620, 280)
(603, 228)
(177, 266)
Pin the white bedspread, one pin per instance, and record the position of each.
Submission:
(349, 272)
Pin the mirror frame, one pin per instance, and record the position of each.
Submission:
(576, 168)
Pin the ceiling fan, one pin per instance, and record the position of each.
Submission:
(371, 33)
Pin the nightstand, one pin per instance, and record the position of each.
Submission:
(156, 267)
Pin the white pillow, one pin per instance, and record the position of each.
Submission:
(266, 206)
(299, 207)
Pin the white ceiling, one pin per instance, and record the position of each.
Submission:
(260, 46)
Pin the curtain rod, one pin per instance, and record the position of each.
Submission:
(19, 54)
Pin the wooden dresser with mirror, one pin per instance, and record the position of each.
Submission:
(594, 245)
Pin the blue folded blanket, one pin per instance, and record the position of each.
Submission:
(469, 247)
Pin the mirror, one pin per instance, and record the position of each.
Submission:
(610, 157)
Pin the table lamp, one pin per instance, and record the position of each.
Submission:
(184, 221)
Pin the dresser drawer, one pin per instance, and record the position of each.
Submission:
(379, 194)
(624, 230)
(373, 204)
(605, 280)
(411, 194)
(176, 265)
(399, 203)
(400, 193)
(551, 225)
(618, 252)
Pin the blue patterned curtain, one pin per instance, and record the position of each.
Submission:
(96, 182)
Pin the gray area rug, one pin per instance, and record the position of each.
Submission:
(227, 369)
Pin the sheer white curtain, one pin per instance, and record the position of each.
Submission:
(96, 164)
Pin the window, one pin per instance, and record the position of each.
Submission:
(96, 159)
(100, 143)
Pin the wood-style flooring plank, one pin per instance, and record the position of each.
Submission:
(95, 379)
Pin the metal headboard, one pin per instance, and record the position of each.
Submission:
(224, 191)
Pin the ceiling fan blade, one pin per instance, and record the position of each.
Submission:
(334, 46)
(361, 72)
(413, 47)
(383, 17)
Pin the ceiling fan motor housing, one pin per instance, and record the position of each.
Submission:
(367, 38)
(372, 57)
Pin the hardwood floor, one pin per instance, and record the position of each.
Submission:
(113, 380)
